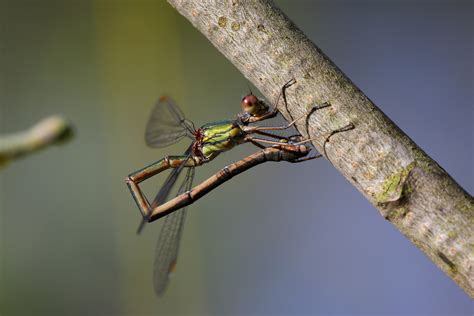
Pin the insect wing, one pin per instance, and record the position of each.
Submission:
(166, 125)
(164, 192)
(168, 242)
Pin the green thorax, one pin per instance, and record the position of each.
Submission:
(220, 136)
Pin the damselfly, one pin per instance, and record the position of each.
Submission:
(166, 126)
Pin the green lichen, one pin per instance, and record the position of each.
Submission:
(222, 21)
(397, 213)
(393, 187)
(422, 160)
(466, 207)
(235, 26)
(452, 235)
(408, 189)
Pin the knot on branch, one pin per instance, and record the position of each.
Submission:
(395, 190)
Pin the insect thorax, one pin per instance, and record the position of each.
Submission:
(220, 136)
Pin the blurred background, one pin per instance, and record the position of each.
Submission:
(280, 239)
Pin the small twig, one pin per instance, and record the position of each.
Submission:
(51, 130)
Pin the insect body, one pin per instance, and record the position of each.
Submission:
(214, 138)
(166, 126)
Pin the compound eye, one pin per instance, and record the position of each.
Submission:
(249, 101)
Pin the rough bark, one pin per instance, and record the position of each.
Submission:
(408, 187)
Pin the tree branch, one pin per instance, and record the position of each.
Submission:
(51, 130)
(408, 187)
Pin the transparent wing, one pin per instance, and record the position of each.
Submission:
(168, 242)
(167, 124)
(165, 190)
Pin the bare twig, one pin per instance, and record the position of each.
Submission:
(408, 187)
(52, 130)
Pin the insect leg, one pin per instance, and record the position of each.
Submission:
(163, 164)
(255, 140)
(255, 129)
(282, 152)
(283, 93)
(346, 128)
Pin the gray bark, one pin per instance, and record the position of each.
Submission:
(408, 187)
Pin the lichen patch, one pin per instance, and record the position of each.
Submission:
(393, 186)
(235, 26)
(222, 21)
